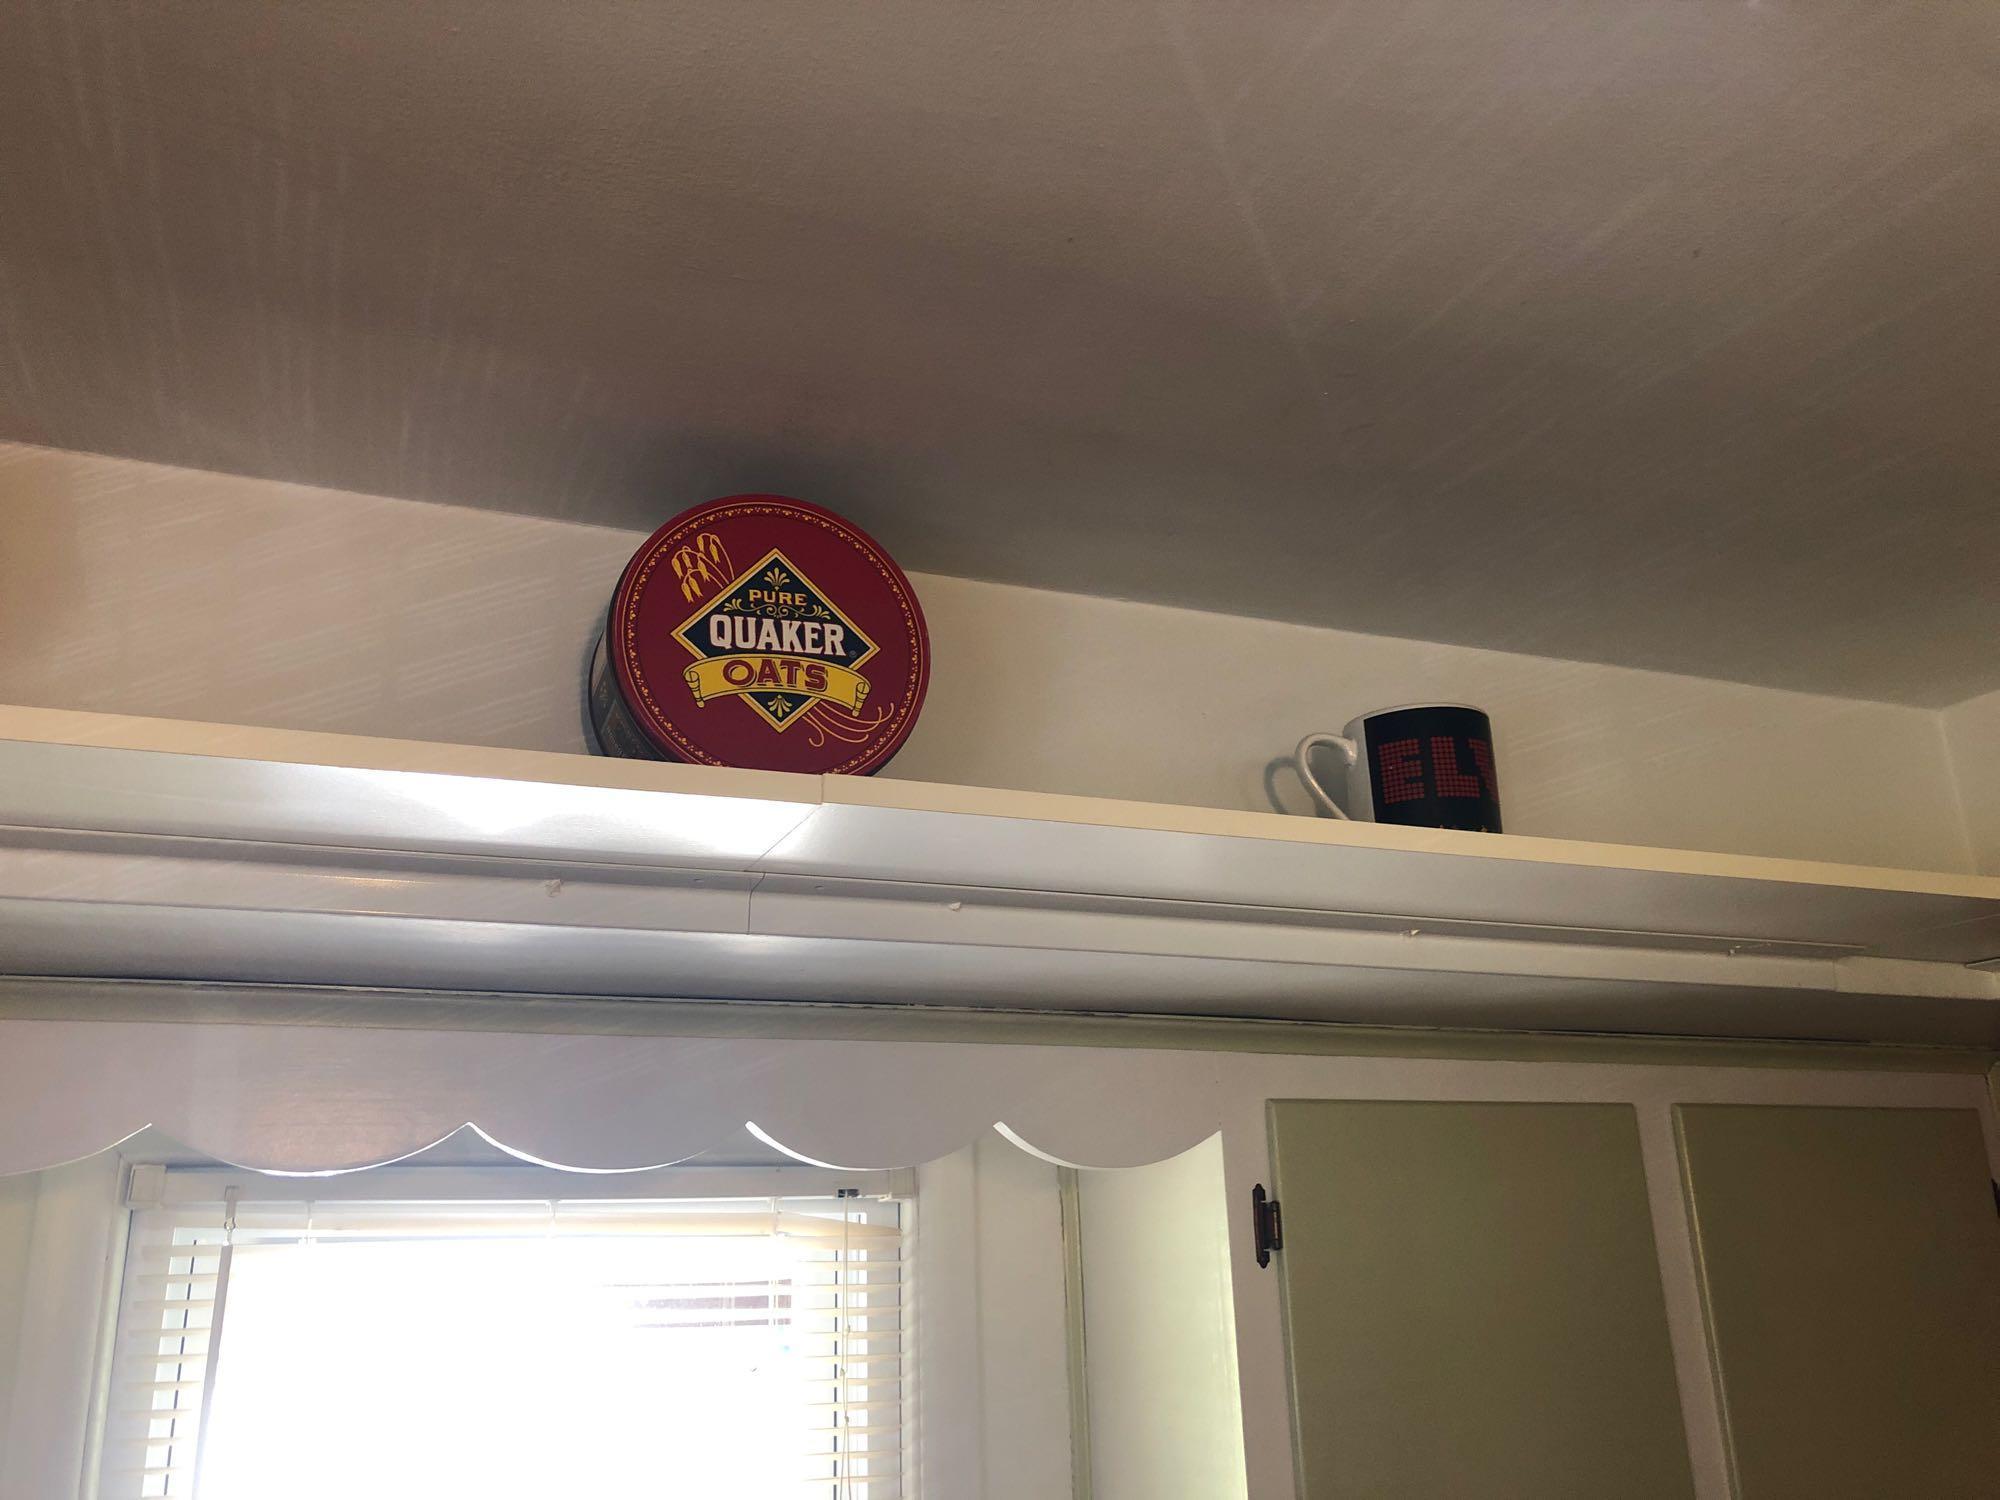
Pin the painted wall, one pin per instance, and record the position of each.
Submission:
(17, 1230)
(60, 1244)
(990, 1418)
(129, 587)
(1972, 736)
(1166, 1419)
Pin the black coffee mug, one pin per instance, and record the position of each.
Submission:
(1422, 766)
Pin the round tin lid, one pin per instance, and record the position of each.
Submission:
(763, 632)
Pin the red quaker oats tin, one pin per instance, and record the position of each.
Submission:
(761, 632)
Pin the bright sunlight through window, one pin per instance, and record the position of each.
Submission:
(411, 1351)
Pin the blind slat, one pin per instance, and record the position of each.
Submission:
(150, 1415)
(891, 1381)
(159, 1385)
(822, 1237)
(859, 1337)
(137, 1337)
(865, 1433)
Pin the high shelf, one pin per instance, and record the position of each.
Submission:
(157, 849)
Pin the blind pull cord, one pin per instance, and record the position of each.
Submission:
(222, 1265)
(841, 1348)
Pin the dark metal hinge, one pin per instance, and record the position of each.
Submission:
(1996, 1193)
(1267, 1222)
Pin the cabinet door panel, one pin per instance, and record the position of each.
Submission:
(1473, 1303)
(1850, 1264)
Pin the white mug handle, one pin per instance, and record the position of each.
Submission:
(1302, 758)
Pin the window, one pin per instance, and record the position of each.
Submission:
(472, 1343)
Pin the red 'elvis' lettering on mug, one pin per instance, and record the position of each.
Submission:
(1402, 771)
(1451, 780)
(1482, 757)
(1402, 767)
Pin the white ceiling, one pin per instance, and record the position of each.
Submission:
(1651, 331)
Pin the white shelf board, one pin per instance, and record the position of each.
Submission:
(1036, 841)
(170, 779)
(158, 849)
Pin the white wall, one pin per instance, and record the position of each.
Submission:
(1166, 1419)
(1972, 734)
(64, 1268)
(991, 1409)
(128, 587)
(17, 1230)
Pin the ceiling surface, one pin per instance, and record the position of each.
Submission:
(1660, 332)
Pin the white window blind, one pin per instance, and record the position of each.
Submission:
(418, 1347)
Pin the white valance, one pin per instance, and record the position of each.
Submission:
(296, 1098)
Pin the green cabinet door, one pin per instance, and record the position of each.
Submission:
(1850, 1266)
(1473, 1305)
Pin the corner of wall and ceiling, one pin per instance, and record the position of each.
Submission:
(1955, 784)
(1971, 733)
